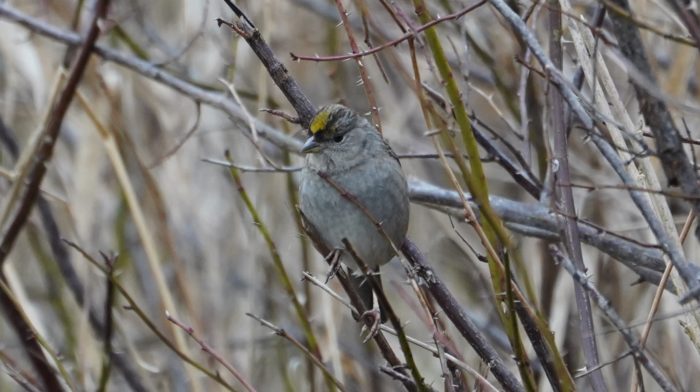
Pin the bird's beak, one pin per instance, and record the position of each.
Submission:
(310, 146)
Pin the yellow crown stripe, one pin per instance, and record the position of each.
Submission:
(319, 122)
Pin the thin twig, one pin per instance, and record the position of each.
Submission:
(281, 332)
(108, 322)
(245, 168)
(209, 350)
(172, 150)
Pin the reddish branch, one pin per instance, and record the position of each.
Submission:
(395, 42)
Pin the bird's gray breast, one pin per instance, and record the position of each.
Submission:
(379, 185)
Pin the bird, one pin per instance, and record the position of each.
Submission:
(352, 187)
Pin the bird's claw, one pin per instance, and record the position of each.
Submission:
(333, 259)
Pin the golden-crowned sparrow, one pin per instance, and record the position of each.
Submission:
(348, 164)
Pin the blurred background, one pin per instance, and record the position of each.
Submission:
(128, 178)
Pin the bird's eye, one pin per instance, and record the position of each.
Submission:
(338, 138)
